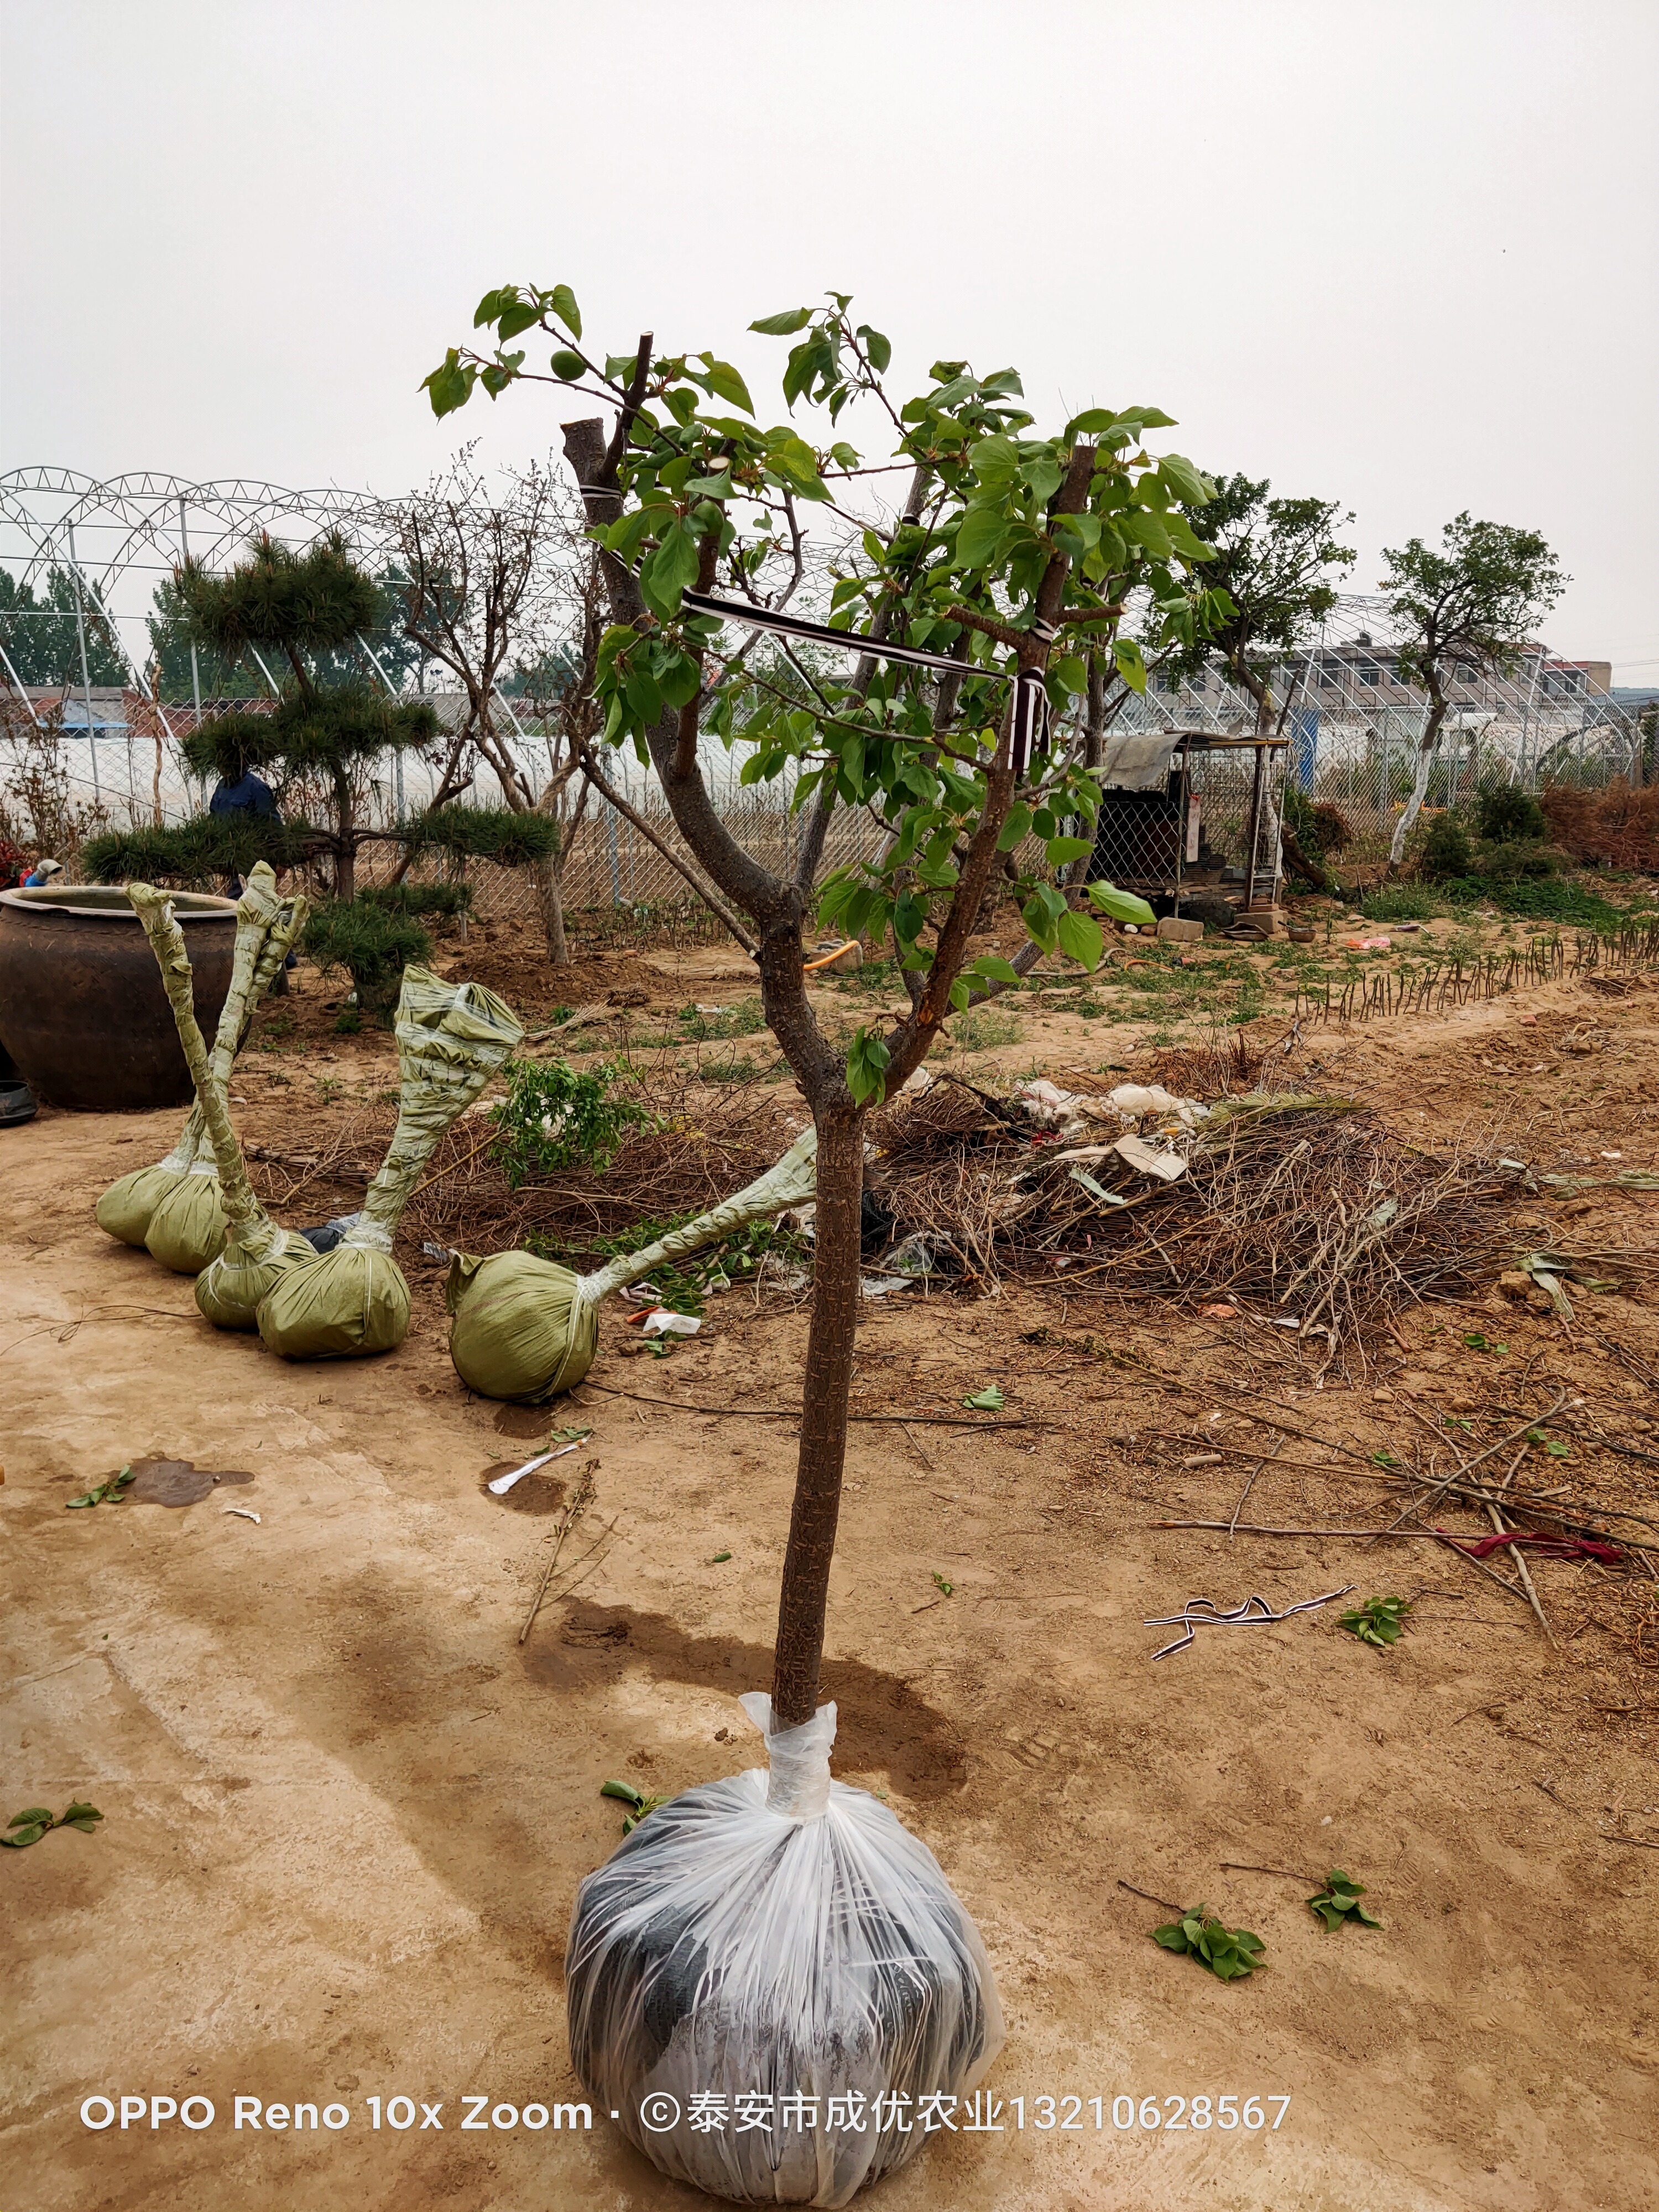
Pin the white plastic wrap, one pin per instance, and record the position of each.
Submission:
(772, 1984)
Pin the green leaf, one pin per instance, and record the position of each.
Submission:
(867, 1059)
(878, 348)
(1121, 906)
(1228, 1953)
(1380, 1621)
(1339, 1901)
(80, 1814)
(562, 300)
(34, 1813)
(981, 535)
(1185, 481)
(518, 315)
(450, 385)
(624, 1791)
(665, 574)
(1060, 850)
(784, 325)
(944, 1588)
(568, 365)
(1141, 527)
(988, 1401)
(995, 969)
(1076, 535)
(24, 1837)
(1016, 828)
(724, 383)
(1081, 938)
(1131, 663)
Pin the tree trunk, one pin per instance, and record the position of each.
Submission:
(551, 902)
(345, 841)
(1419, 783)
(804, 1596)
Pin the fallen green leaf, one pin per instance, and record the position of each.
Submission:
(1477, 1342)
(639, 1804)
(1339, 1901)
(988, 1401)
(1380, 1620)
(944, 1589)
(719, 1559)
(1228, 1952)
(107, 1493)
(27, 1827)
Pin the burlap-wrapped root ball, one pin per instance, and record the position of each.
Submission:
(451, 1038)
(187, 1228)
(527, 1328)
(231, 1289)
(126, 1208)
(780, 1944)
(230, 1283)
(521, 1327)
(183, 1189)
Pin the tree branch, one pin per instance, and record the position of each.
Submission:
(608, 791)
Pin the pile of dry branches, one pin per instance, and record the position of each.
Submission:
(1300, 1207)
(697, 1147)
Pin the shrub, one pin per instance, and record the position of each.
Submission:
(1552, 899)
(1508, 814)
(1512, 859)
(1400, 902)
(419, 898)
(554, 1117)
(1446, 851)
(487, 833)
(373, 944)
(195, 853)
(1618, 828)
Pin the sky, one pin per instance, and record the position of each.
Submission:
(1401, 255)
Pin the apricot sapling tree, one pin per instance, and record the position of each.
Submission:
(970, 618)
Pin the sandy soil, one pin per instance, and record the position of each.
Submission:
(347, 1811)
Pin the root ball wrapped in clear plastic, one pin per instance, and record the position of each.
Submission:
(777, 1943)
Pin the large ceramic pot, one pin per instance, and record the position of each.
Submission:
(81, 1008)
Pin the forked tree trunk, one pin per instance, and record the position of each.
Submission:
(1413, 805)
(804, 1597)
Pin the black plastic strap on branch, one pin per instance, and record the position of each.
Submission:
(1030, 705)
(788, 625)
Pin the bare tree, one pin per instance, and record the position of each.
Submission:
(492, 587)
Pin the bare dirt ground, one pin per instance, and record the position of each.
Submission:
(347, 1811)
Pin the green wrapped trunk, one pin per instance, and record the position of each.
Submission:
(183, 1187)
(231, 1284)
(451, 1038)
(527, 1328)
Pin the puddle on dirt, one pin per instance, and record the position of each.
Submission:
(541, 1493)
(523, 1420)
(880, 1720)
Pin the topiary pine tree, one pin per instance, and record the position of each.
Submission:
(302, 606)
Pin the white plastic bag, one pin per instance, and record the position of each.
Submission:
(774, 1985)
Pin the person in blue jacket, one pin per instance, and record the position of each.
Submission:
(249, 795)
